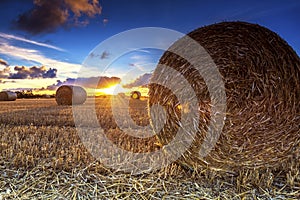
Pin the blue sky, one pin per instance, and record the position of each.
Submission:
(75, 28)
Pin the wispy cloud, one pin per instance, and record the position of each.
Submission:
(141, 81)
(65, 69)
(254, 11)
(3, 62)
(13, 37)
(139, 50)
(138, 66)
(5, 82)
(140, 57)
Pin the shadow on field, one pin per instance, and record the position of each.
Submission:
(29, 115)
(41, 116)
(52, 115)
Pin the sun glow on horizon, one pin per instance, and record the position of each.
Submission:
(118, 89)
(112, 90)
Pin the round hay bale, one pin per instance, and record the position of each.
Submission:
(136, 95)
(8, 96)
(70, 94)
(261, 75)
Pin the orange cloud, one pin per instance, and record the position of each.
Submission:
(47, 16)
(3, 62)
(5, 72)
(84, 6)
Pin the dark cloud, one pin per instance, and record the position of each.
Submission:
(3, 62)
(50, 73)
(32, 72)
(92, 55)
(103, 55)
(54, 86)
(141, 81)
(47, 16)
(91, 82)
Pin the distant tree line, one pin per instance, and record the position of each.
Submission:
(27, 94)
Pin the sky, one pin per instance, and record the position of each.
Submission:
(44, 44)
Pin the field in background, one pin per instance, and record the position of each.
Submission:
(42, 157)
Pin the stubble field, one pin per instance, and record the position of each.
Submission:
(42, 157)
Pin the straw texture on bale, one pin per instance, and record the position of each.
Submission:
(136, 95)
(70, 95)
(261, 74)
(8, 96)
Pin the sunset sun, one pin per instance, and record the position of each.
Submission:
(111, 90)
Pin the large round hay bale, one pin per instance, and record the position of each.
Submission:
(136, 95)
(70, 95)
(8, 96)
(261, 75)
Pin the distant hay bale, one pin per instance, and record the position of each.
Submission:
(70, 94)
(136, 95)
(46, 96)
(261, 74)
(8, 96)
(122, 95)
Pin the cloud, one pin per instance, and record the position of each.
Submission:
(22, 72)
(140, 50)
(103, 55)
(32, 72)
(13, 37)
(3, 62)
(47, 16)
(141, 81)
(80, 7)
(140, 66)
(50, 73)
(105, 21)
(99, 82)
(3, 82)
(4, 73)
(55, 86)
(35, 56)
